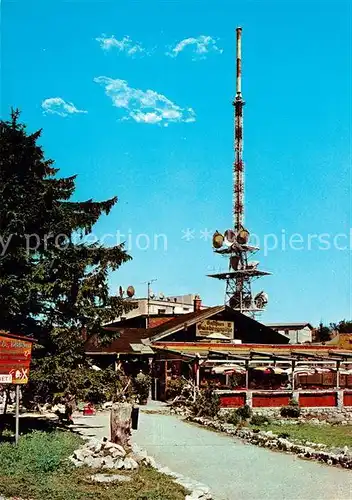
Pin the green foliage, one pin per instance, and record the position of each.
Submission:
(142, 383)
(233, 418)
(38, 469)
(344, 326)
(175, 387)
(207, 404)
(323, 333)
(244, 412)
(259, 420)
(332, 436)
(38, 452)
(293, 409)
(53, 282)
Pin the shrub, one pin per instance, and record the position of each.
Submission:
(259, 420)
(37, 453)
(175, 387)
(142, 384)
(293, 409)
(233, 418)
(245, 412)
(207, 404)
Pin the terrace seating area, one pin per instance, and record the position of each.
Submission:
(264, 378)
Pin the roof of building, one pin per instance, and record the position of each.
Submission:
(181, 322)
(120, 345)
(204, 349)
(289, 326)
(17, 337)
(251, 330)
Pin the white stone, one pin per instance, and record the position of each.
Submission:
(150, 461)
(94, 462)
(118, 451)
(108, 462)
(130, 464)
(109, 478)
(119, 464)
(77, 463)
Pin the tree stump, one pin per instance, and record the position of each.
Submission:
(120, 424)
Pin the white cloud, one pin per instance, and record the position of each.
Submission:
(200, 46)
(57, 106)
(124, 45)
(144, 106)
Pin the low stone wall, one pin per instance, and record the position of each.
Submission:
(342, 416)
(267, 439)
(329, 398)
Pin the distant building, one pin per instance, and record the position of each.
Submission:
(297, 333)
(160, 306)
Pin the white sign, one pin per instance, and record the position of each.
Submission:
(5, 379)
(214, 327)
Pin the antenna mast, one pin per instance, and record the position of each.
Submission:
(148, 283)
(235, 242)
(238, 166)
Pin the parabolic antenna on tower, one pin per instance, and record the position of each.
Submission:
(218, 240)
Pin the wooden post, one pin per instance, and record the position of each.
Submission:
(120, 424)
(337, 374)
(165, 386)
(293, 375)
(197, 374)
(17, 433)
(247, 375)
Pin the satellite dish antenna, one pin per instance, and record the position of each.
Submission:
(130, 291)
(242, 236)
(121, 292)
(161, 296)
(230, 236)
(151, 294)
(218, 240)
(261, 300)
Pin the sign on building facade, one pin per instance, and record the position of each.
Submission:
(213, 327)
(15, 358)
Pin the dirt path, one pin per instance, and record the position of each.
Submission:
(232, 469)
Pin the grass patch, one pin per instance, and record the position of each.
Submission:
(38, 469)
(331, 435)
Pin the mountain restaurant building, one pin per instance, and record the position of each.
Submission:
(245, 361)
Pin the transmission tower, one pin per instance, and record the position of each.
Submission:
(234, 243)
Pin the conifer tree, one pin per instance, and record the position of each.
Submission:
(53, 283)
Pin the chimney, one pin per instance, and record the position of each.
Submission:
(197, 303)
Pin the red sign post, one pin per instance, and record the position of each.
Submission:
(15, 358)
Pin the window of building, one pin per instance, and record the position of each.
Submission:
(186, 308)
(161, 311)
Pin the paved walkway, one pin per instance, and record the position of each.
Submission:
(232, 469)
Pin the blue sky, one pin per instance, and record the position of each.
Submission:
(167, 154)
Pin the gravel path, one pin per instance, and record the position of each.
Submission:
(232, 469)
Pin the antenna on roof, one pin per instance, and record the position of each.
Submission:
(148, 283)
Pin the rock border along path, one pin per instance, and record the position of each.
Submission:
(231, 468)
(270, 440)
(103, 454)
